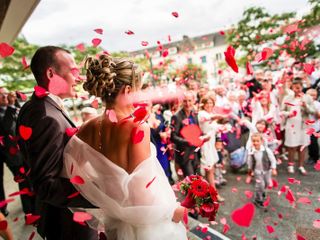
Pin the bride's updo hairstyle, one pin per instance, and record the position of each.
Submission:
(106, 76)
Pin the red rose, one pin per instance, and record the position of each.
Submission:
(209, 210)
(189, 201)
(213, 193)
(199, 188)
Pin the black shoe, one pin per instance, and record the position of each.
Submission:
(311, 161)
(194, 215)
(4, 211)
(258, 203)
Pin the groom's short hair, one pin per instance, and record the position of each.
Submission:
(44, 58)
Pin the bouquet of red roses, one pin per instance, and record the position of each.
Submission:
(200, 195)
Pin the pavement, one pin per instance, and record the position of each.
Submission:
(285, 218)
(297, 218)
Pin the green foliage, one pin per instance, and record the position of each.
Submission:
(12, 73)
(191, 72)
(259, 29)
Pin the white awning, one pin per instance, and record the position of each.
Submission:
(14, 18)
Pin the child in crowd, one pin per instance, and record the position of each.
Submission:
(262, 163)
(219, 166)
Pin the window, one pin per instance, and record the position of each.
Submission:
(218, 56)
(203, 59)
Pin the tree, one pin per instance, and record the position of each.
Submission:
(12, 72)
(283, 33)
(190, 72)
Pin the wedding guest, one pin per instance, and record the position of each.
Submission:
(209, 127)
(297, 109)
(262, 163)
(314, 146)
(185, 156)
(9, 151)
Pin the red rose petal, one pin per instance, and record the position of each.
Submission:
(80, 47)
(81, 217)
(304, 200)
(136, 135)
(71, 131)
(6, 50)
(73, 195)
(25, 132)
(3, 225)
(149, 183)
(40, 92)
(96, 42)
(24, 191)
(290, 197)
(77, 180)
(24, 63)
(248, 194)
(32, 235)
(165, 53)
(270, 229)
(249, 68)
(226, 228)
(231, 61)
(317, 166)
(112, 115)
(316, 223)
(30, 219)
(95, 104)
(221, 33)
(21, 95)
(129, 32)
(144, 43)
(185, 216)
(308, 68)
(175, 14)
(192, 133)
(299, 237)
(139, 114)
(98, 30)
(291, 28)
(5, 202)
(243, 216)
(266, 202)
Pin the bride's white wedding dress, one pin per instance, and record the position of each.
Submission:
(136, 206)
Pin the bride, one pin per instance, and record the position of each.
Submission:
(122, 178)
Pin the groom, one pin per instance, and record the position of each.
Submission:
(43, 151)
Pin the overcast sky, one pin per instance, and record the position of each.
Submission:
(73, 21)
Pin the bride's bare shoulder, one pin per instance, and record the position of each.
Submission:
(88, 129)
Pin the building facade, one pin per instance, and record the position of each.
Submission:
(206, 50)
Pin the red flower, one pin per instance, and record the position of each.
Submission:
(199, 188)
(189, 201)
(209, 210)
(213, 193)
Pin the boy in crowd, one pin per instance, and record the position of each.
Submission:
(262, 163)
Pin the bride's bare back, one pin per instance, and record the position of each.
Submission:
(115, 140)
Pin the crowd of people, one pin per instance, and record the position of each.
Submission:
(246, 123)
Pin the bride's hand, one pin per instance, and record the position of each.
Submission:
(178, 214)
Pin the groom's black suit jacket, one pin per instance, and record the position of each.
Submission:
(44, 154)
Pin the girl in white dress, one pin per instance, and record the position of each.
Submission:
(209, 127)
(121, 173)
(296, 109)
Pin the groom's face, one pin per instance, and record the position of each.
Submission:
(67, 67)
